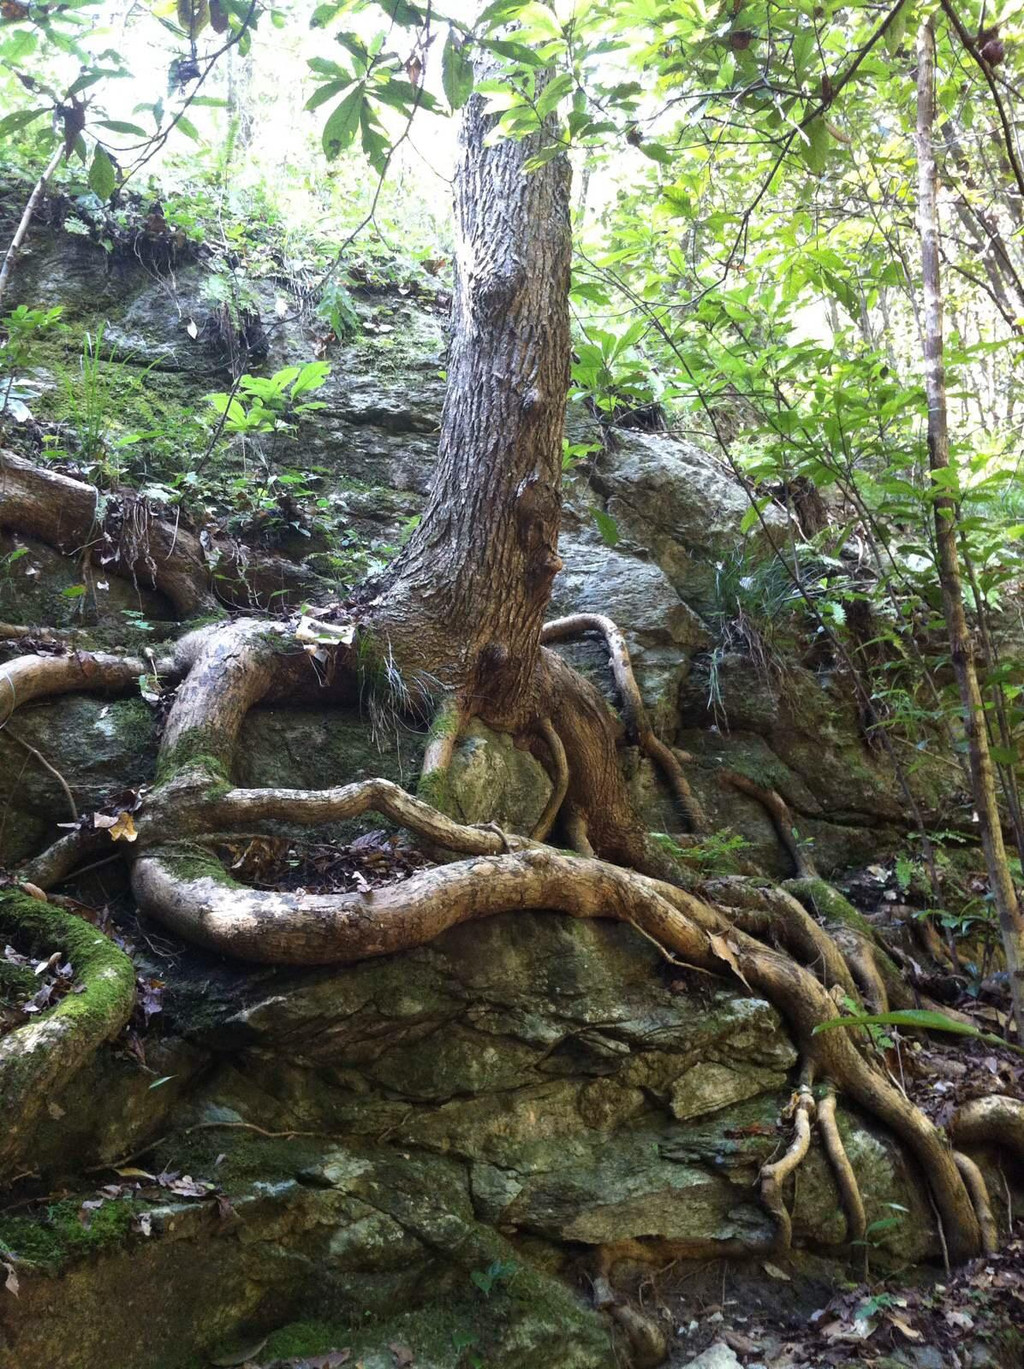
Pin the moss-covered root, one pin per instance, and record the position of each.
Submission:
(434, 785)
(37, 1059)
(875, 971)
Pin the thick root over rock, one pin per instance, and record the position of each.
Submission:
(38, 1058)
(177, 880)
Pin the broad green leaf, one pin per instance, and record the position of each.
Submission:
(456, 72)
(753, 513)
(102, 177)
(119, 126)
(21, 118)
(814, 145)
(340, 128)
(606, 526)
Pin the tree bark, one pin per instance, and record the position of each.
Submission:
(466, 599)
(1004, 895)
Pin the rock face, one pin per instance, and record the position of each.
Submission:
(428, 1150)
(391, 1136)
(678, 513)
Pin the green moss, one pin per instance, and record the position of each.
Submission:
(188, 861)
(201, 748)
(435, 788)
(108, 974)
(133, 720)
(821, 899)
(16, 983)
(54, 1237)
(445, 722)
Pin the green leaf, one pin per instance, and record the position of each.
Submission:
(340, 128)
(119, 126)
(21, 118)
(102, 177)
(456, 72)
(327, 92)
(752, 514)
(165, 1080)
(919, 1019)
(814, 145)
(606, 526)
(189, 129)
(553, 93)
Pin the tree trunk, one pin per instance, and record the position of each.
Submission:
(466, 599)
(1004, 895)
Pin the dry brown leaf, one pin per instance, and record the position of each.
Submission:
(11, 1282)
(33, 891)
(403, 1355)
(774, 1272)
(725, 952)
(904, 1327)
(124, 828)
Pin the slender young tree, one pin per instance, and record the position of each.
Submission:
(1004, 895)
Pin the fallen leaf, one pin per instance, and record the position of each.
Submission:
(239, 1356)
(124, 828)
(130, 1173)
(725, 952)
(903, 1327)
(33, 891)
(960, 1319)
(774, 1272)
(403, 1355)
(11, 1282)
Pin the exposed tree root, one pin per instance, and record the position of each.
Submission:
(123, 535)
(842, 1170)
(176, 879)
(39, 677)
(37, 1059)
(782, 819)
(760, 908)
(992, 1121)
(53, 865)
(637, 722)
(561, 782)
(773, 1176)
(648, 1343)
(977, 1188)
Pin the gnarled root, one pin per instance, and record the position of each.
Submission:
(38, 677)
(192, 894)
(842, 1170)
(130, 540)
(782, 819)
(773, 1176)
(761, 909)
(637, 721)
(648, 1343)
(37, 1059)
(231, 667)
(978, 1189)
(553, 807)
(992, 1121)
